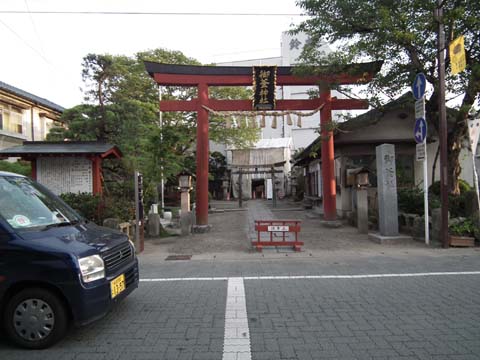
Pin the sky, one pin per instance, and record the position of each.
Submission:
(42, 53)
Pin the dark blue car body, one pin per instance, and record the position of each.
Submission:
(47, 259)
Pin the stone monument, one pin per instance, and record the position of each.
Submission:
(387, 196)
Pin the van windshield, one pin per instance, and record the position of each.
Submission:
(25, 204)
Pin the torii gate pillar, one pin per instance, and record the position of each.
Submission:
(202, 77)
(201, 192)
(328, 162)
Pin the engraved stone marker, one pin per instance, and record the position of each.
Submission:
(387, 190)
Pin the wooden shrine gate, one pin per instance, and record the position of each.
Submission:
(257, 169)
(203, 77)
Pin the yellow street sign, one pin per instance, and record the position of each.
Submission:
(458, 60)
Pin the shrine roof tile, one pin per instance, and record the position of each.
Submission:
(37, 148)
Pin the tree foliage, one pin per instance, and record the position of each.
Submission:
(404, 35)
(121, 107)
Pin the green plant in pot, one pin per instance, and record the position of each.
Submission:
(462, 232)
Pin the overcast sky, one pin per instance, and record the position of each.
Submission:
(42, 53)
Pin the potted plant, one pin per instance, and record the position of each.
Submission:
(461, 233)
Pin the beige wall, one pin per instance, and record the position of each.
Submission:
(466, 163)
(36, 122)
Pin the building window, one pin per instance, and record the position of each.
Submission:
(11, 119)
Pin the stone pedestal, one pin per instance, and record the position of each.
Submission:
(362, 210)
(185, 223)
(185, 201)
(154, 224)
(389, 240)
(185, 214)
(387, 190)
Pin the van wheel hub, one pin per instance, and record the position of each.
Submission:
(33, 319)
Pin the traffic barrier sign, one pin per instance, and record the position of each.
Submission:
(278, 229)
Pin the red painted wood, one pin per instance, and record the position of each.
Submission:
(293, 227)
(97, 179)
(202, 157)
(33, 164)
(246, 80)
(179, 105)
(115, 152)
(277, 243)
(203, 81)
(328, 163)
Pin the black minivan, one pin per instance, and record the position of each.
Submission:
(56, 268)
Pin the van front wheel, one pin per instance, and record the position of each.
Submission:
(35, 318)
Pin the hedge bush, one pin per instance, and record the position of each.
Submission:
(85, 204)
(19, 167)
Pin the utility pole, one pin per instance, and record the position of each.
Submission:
(442, 113)
(162, 182)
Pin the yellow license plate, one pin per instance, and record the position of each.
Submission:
(117, 285)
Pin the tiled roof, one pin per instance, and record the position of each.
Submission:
(30, 97)
(61, 148)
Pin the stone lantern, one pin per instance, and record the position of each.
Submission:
(185, 186)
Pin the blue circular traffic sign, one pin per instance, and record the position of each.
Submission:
(419, 85)
(420, 132)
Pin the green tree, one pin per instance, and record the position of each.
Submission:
(122, 108)
(403, 34)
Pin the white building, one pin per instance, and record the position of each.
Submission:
(304, 133)
(24, 116)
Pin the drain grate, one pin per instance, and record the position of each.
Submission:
(179, 257)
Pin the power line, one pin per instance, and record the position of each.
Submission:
(46, 12)
(26, 43)
(34, 27)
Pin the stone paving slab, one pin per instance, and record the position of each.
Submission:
(424, 317)
(179, 320)
(418, 318)
(232, 233)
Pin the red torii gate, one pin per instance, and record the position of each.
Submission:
(204, 76)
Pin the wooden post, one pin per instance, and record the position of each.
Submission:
(33, 164)
(328, 164)
(97, 179)
(202, 156)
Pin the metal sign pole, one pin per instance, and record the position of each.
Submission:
(139, 215)
(420, 135)
(137, 211)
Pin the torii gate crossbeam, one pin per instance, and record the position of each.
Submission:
(204, 76)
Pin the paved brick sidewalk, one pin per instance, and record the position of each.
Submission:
(158, 321)
(349, 317)
(424, 317)
(415, 318)
(233, 230)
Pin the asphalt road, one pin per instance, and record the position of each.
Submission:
(399, 306)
